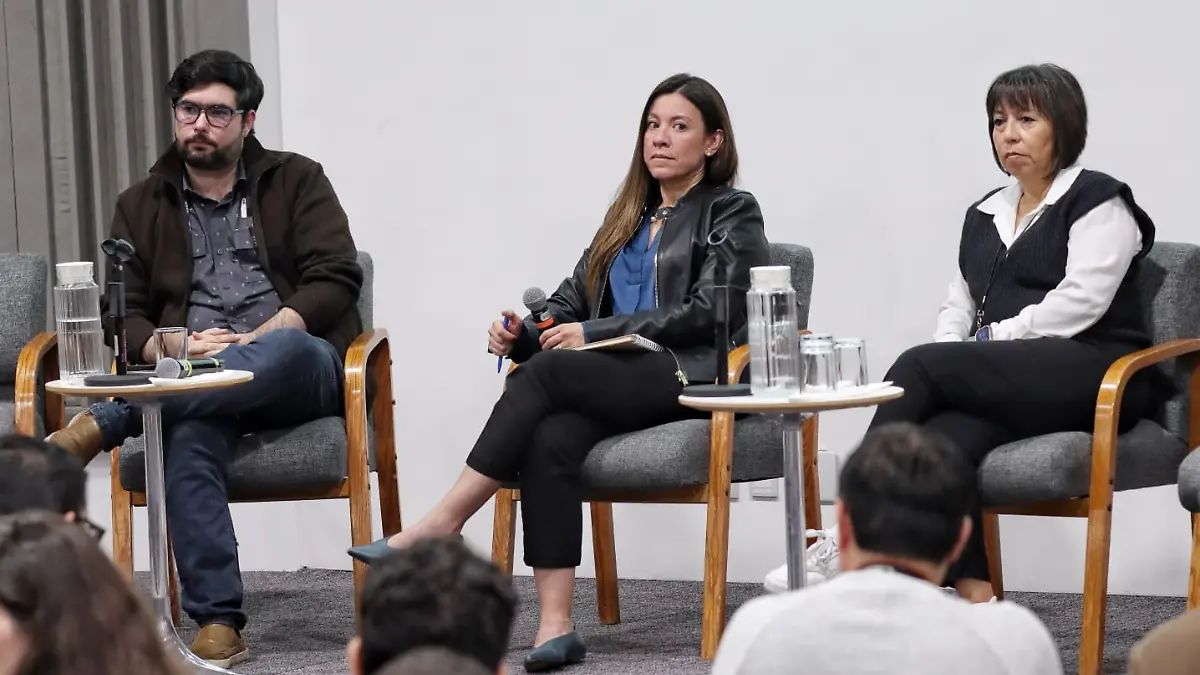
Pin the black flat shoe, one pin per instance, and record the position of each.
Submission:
(371, 553)
(561, 651)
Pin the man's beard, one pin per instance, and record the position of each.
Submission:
(206, 155)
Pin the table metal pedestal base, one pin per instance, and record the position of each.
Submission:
(793, 499)
(156, 517)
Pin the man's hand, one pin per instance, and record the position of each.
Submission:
(208, 342)
(562, 336)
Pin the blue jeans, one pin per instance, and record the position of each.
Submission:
(297, 378)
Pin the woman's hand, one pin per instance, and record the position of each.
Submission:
(501, 339)
(562, 336)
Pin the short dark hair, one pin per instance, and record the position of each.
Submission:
(35, 474)
(906, 491)
(213, 66)
(1052, 91)
(436, 593)
(434, 661)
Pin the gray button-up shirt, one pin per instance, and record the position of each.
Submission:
(230, 289)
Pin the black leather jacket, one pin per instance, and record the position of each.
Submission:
(683, 322)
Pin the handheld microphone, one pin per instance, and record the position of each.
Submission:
(535, 301)
(177, 369)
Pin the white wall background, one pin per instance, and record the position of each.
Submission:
(475, 146)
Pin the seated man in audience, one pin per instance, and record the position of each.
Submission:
(435, 593)
(249, 250)
(433, 661)
(903, 510)
(36, 475)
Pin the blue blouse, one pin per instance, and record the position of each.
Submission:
(632, 276)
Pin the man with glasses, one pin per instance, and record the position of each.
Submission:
(36, 475)
(249, 249)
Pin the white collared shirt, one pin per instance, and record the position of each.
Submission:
(873, 621)
(1100, 248)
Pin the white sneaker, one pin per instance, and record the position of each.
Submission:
(821, 562)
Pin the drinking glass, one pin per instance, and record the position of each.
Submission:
(851, 359)
(163, 339)
(819, 364)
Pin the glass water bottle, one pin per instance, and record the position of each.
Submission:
(775, 366)
(77, 315)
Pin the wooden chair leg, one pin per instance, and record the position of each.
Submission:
(1095, 589)
(122, 529)
(1194, 576)
(812, 477)
(360, 532)
(504, 530)
(716, 544)
(991, 542)
(385, 452)
(605, 548)
(173, 584)
(389, 500)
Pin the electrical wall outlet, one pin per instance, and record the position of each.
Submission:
(829, 465)
(765, 490)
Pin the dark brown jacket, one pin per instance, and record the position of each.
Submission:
(303, 235)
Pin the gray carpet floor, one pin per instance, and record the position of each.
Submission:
(300, 623)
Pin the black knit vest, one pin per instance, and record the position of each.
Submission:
(1003, 282)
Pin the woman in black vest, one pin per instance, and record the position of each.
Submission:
(1044, 300)
(649, 271)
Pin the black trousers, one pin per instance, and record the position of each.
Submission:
(982, 395)
(554, 409)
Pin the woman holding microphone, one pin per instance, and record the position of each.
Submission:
(648, 271)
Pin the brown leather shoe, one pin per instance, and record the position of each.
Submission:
(220, 645)
(81, 437)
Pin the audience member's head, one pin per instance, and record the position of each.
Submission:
(35, 474)
(433, 661)
(434, 593)
(904, 499)
(68, 607)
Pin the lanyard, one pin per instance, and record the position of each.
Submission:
(996, 262)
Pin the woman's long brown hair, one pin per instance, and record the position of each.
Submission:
(625, 213)
(77, 609)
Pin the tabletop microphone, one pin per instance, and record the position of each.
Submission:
(535, 301)
(177, 369)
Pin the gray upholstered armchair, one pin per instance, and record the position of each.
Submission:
(23, 279)
(328, 458)
(1075, 474)
(686, 462)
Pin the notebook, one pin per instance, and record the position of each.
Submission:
(623, 343)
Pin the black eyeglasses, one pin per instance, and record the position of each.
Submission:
(218, 115)
(91, 528)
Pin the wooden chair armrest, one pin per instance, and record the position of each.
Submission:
(358, 356)
(739, 359)
(38, 357)
(1108, 408)
(369, 357)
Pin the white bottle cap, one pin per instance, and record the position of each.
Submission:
(775, 278)
(71, 273)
